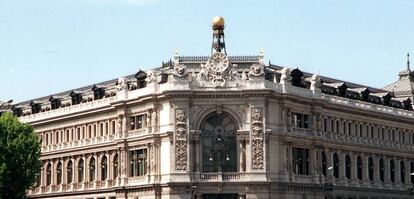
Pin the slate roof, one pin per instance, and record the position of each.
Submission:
(404, 86)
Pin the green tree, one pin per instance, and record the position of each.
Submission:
(19, 157)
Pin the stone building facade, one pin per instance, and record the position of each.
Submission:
(224, 126)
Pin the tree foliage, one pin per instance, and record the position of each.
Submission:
(19, 157)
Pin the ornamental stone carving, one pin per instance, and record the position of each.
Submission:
(285, 76)
(217, 71)
(315, 83)
(257, 137)
(151, 77)
(121, 84)
(180, 72)
(180, 140)
(256, 70)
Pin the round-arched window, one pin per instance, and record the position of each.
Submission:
(218, 137)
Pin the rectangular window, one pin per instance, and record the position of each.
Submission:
(113, 127)
(301, 120)
(138, 162)
(300, 161)
(137, 122)
(337, 126)
(372, 132)
(78, 134)
(101, 129)
(325, 123)
(106, 128)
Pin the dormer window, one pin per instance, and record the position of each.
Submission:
(141, 76)
(76, 98)
(55, 103)
(297, 77)
(35, 108)
(98, 92)
(17, 112)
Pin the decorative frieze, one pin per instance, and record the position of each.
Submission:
(181, 141)
(257, 136)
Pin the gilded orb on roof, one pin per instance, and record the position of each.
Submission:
(218, 21)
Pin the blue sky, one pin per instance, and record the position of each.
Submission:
(49, 46)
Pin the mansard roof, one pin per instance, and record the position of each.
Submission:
(330, 86)
(404, 86)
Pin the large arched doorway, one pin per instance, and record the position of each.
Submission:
(218, 139)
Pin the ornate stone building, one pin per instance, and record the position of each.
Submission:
(224, 126)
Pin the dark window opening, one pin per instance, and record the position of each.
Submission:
(335, 165)
(138, 162)
(301, 120)
(36, 108)
(55, 103)
(359, 168)
(137, 122)
(300, 161)
(348, 167)
(98, 93)
(392, 171)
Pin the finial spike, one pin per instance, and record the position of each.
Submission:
(408, 61)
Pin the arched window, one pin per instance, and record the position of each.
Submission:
(104, 168)
(359, 168)
(412, 171)
(48, 174)
(69, 170)
(324, 164)
(370, 169)
(81, 172)
(39, 178)
(392, 171)
(335, 165)
(92, 169)
(402, 171)
(381, 170)
(115, 169)
(348, 167)
(219, 151)
(59, 173)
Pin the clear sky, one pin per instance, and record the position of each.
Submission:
(50, 46)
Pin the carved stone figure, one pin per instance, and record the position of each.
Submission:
(285, 77)
(151, 77)
(244, 76)
(121, 84)
(180, 71)
(315, 82)
(256, 70)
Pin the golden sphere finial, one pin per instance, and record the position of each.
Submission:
(218, 21)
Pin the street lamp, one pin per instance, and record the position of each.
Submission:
(328, 187)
